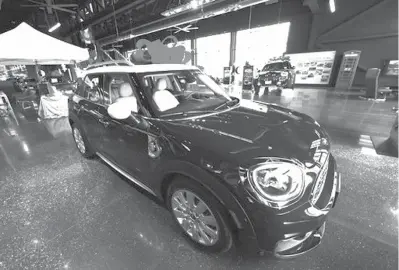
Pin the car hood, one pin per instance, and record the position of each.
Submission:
(250, 131)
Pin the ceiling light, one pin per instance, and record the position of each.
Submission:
(194, 4)
(332, 5)
(55, 27)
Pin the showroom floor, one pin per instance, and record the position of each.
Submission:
(61, 211)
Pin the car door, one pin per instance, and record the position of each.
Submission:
(125, 142)
(89, 108)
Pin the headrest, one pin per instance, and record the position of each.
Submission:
(161, 85)
(125, 90)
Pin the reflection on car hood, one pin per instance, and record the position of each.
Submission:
(250, 130)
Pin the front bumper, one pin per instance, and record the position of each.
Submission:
(291, 232)
(301, 244)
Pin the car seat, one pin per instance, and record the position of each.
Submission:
(164, 99)
(126, 95)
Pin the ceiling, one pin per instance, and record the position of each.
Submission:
(107, 19)
(75, 15)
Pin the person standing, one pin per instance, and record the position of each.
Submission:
(256, 82)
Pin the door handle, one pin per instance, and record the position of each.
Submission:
(104, 122)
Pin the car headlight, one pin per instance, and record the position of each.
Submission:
(278, 183)
(284, 74)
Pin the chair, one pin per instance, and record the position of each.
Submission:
(371, 82)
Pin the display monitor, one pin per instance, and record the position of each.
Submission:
(313, 67)
(391, 68)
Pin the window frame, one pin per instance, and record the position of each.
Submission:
(137, 89)
(99, 87)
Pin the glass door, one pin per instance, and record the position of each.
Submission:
(259, 44)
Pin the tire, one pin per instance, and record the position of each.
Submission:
(185, 187)
(83, 147)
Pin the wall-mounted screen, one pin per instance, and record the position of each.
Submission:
(392, 68)
(313, 67)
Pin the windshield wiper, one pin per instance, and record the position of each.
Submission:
(184, 114)
(227, 103)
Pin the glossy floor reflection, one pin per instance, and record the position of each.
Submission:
(61, 211)
(339, 111)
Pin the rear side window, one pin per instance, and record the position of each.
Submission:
(92, 88)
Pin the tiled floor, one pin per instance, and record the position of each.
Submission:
(61, 211)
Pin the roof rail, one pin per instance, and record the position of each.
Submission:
(113, 62)
(108, 63)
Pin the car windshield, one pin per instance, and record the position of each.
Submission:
(184, 92)
(277, 66)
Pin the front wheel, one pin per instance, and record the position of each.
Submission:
(81, 142)
(201, 217)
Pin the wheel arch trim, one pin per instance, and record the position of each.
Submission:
(234, 208)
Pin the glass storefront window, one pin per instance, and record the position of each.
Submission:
(213, 53)
(259, 44)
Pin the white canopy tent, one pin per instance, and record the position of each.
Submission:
(24, 45)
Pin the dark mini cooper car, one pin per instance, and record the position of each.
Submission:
(229, 170)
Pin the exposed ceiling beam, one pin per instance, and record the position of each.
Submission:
(314, 5)
(49, 10)
(61, 6)
(52, 7)
(105, 15)
(217, 8)
(101, 3)
(56, 5)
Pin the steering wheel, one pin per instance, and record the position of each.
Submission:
(190, 95)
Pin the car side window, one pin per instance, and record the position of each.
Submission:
(112, 87)
(92, 88)
(119, 87)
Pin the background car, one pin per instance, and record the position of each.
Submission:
(280, 73)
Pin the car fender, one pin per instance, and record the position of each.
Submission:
(213, 185)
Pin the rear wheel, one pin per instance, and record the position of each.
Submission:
(81, 142)
(201, 217)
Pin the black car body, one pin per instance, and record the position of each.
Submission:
(224, 151)
(279, 73)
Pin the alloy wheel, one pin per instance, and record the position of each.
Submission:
(79, 140)
(195, 217)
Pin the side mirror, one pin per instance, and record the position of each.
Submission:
(119, 111)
